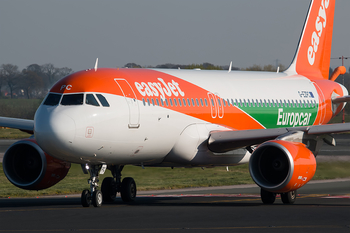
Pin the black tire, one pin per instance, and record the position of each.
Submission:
(267, 197)
(128, 190)
(86, 198)
(109, 189)
(289, 198)
(97, 198)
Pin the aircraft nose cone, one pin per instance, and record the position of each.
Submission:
(55, 133)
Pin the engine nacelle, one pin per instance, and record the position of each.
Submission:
(282, 166)
(27, 166)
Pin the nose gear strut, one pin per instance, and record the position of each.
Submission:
(92, 196)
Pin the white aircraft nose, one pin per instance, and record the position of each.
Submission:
(55, 133)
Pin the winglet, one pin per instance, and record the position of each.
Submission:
(312, 57)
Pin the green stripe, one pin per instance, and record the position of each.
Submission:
(277, 117)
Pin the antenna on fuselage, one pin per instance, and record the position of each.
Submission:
(96, 64)
(229, 69)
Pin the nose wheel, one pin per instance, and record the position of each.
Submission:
(86, 198)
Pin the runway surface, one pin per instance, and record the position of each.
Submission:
(321, 207)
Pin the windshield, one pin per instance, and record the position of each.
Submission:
(72, 99)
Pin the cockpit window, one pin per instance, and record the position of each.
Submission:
(52, 99)
(90, 100)
(102, 100)
(72, 99)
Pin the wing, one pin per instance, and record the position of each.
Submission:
(16, 123)
(223, 141)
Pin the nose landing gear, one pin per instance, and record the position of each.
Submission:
(92, 196)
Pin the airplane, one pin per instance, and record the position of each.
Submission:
(105, 118)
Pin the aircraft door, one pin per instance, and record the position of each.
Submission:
(212, 103)
(130, 97)
(220, 105)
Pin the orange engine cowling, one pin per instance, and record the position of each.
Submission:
(282, 166)
(27, 166)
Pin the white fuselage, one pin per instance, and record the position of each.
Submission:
(139, 131)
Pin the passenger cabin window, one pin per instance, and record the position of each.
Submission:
(52, 99)
(102, 100)
(72, 99)
(90, 100)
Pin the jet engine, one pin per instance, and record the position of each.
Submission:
(282, 166)
(27, 166)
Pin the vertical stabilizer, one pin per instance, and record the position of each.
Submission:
(312, 58)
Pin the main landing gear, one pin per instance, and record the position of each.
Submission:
(269, 197)
(113, 185)
(110, 186)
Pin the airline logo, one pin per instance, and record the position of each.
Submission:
(320, 24)
(160, 88)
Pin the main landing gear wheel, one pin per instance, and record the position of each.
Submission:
(267, 197)
(128, 189)
(289, 198)
(86, 198)
(109, 189)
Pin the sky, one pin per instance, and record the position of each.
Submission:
(73, 33)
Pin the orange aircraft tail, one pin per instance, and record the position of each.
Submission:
(312, 58)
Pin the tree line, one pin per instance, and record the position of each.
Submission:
(32, 82)
(35, 80)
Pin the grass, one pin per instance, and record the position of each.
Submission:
(165, 178)
(6, 133)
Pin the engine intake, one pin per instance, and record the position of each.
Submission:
(282, 166)
(27, 166)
